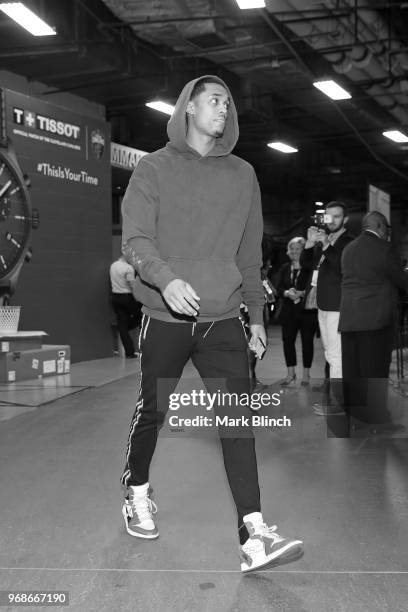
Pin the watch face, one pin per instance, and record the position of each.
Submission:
(15, 221)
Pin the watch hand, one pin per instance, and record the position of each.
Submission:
(4, 189)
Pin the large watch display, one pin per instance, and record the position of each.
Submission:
(14, 216)
(16, 221)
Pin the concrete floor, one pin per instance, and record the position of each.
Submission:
(61, 526)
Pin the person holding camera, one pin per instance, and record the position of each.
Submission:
(292, 286)
(326, 239)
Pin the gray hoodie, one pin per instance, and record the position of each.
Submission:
(197, 218)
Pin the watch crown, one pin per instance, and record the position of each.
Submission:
(28, 255)
(35, 218)
(27, 180)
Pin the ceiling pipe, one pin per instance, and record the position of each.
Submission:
(308, 71)
(343, 63)
(357, 67)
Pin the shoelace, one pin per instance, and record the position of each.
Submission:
(253, 544)
(144, 507)
(269, 532)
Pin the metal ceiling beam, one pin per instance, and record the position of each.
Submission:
(94, 83)
(281, 57)
(234, 14)
(150, 21)
(37, 51)
(67, 76)
(223, 49)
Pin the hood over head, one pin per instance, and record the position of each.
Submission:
(177, 125)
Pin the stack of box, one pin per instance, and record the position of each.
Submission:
(23, 356)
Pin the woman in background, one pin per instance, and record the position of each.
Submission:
(297, 313)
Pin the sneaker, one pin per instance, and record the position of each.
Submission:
(264, 546)
(137, 512)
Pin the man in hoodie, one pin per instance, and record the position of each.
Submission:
(192, 228)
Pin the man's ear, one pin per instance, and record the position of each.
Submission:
(345, 220)
(190, 110)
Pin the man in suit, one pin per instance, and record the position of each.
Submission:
(322, 252)
(372, 274)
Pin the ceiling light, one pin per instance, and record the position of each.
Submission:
(163, 107)
(282, 147)
(319, 204)
(251, 4)
(396, 136)
(332, 89)
(320, 210)
(27, 19)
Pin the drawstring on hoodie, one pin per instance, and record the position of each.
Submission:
(193, 326)
(208, 329)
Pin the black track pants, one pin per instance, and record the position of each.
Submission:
(218, 351)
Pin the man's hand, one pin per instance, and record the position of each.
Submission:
(312, 233)
(258, 335)
(182, 298)
(291, 293)
(323, 238)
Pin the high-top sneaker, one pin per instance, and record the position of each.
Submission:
(137, 511)
(263, 546)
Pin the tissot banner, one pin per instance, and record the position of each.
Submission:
(58, 144)
(66, 156)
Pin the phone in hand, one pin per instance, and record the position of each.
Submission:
(258, 348)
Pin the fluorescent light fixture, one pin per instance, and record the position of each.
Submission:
(320, 210)
(396, 136)
(251, 4)
(331, 89)
(163, 107)
(282, 147)
(319, 204)
(27, 19)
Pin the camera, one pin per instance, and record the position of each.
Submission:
(320, 220)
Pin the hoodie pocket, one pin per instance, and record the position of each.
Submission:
(216, 281)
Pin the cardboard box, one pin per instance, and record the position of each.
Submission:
(21, 341)
(49, 360)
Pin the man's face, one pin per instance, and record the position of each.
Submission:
(208, 111)
(337, 218)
